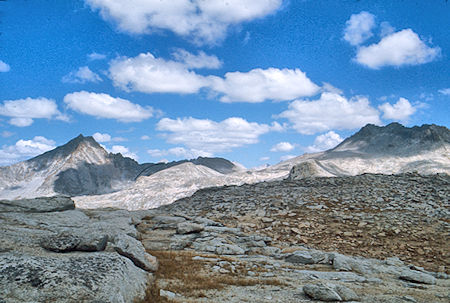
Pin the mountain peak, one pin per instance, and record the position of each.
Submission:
(395, 138)
(69, 148)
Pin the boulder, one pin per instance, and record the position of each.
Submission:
(417, 277)
(38, 205)
(189, 228)
(72, 277)
(321, 292)
(61, 243)
(134, 250)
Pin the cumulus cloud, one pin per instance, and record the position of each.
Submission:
(148, 74)
(445, 91)
(211, 137)
(4, 67)
(401, 110)
(96, 56)
(324, 142)
(82, 75)
(201, 60)
(178, 152)
(24, 149)
(23, 111)
(259, 85)
(200, 21)
(330, 111)
(386, 29)
(101, 138)
(105, 106)
(282, 147)
(119, 149)
(397, 49)
(359, 28)
(145, 137)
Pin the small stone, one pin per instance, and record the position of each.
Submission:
(63, 242)
(302, 257)
(167, 294)
(296, 230)
(346, 293)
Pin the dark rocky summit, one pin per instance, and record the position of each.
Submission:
(394, 139)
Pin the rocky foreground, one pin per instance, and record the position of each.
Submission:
(52, 252)
(368, 238)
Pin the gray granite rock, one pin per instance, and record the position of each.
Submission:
(189, 228)
(321, 292)
(38, 205)
(135, 251)
(71, 277)
(417, 277)
(61, 243)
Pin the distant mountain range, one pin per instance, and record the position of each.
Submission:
(83, 169)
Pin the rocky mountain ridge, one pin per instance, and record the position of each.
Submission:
(84, 170)
(83, 167)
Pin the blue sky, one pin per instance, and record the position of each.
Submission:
(252, 81)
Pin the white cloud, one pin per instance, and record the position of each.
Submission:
(82, 75)
(201, 60)
(103, 138)
(282, 147)
(401, 110)
(330, 111)
(25, 149)
(96, 56)
(259, 85)
(212, 137)
(145, 137)
(148, 74)
(445, 91)
(157, 153)
(105, 106)
(199, 20)
(6, 134)
(327, 87)
(178, 152)
(359, 28)
(264, 159)
(99, 137)
(116, 149)
(397, 49)
(23, 111)
(4, 67)
(324, 142)
(386, 29)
